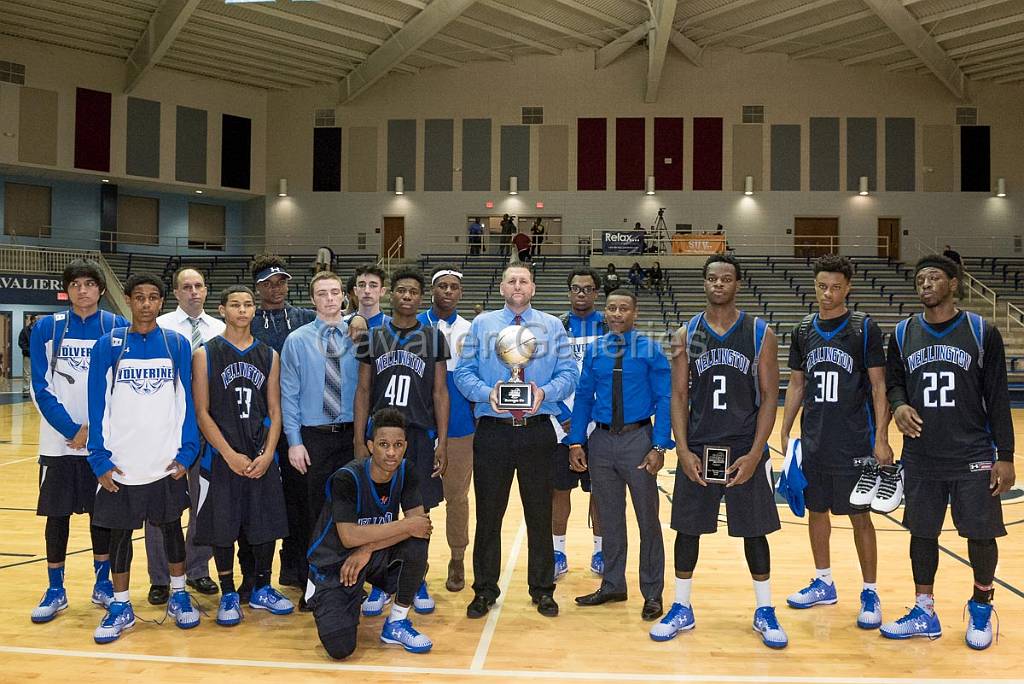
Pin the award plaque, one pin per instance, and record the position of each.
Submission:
(515, 345)
(716, 464)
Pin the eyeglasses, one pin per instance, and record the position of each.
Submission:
(584, 289)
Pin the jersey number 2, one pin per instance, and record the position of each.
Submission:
(942, 383)
(244, 401)
(718, 397)
(397, 391)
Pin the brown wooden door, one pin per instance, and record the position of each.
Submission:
(815, 236)
(889, 238)
(394, 231)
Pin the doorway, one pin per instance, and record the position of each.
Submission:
(889, 237)
(394, 231)
(815, 236)
(492, 231)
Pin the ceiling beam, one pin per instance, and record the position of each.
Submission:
(995, 64)
(214, 36)
(1010, 79)
(845, 42)
(716, 11)
(577, 6)
(417, 31)
(917, 40)
(618, 47)
(718, 36)
(687, 47)
(205, 72)
(282, 64)
(663, 12)
(164, 26)
(998, 73)
(810, 30)
(517, 37)
(543, 23)
(242, 64)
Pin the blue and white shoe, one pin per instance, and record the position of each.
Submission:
(423, 602)
(767, 625)
(270, 599)
(120, 616)
(597, 563)
(180, 607)
(979, 628)
(54, 601)
(229, 613)
(915, 623)
(870, 616)
(817, 593)
(679, 619)
(103, 593)
(401, 632)
(373, 605)
(561, 565)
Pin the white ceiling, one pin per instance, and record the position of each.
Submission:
(286, 44)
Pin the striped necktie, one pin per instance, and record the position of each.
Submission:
(197, 337)
(332, 375)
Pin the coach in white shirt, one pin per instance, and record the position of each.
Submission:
(196, 325)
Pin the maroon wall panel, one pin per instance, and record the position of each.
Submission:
(668, 144)
(92, 130)
(707, 153)
(591, 154)
(629, 154)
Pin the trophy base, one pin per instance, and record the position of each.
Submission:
(515, 397)
(716, 464)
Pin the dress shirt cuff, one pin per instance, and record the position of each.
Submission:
(294, 437)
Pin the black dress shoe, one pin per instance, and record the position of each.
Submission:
(546, 605)
(600, 597)
(158, 594)
(479, 606)
(652, 610)
(291, 580)
(204, 585)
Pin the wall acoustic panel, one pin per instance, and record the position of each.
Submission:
(402, 153)
(37, 126)
(629, 153)
(327, 159)
(438, 154)
(747, 155)
(591, 154)
(142, 138)
(861, 152)
(235, 151)
(785, 157)
(668, 153)
(824, 157)
(476, 155)
(362, 159)
(900, 154)
(707, 153)
(92, 129)
(190, 145)
(515, 156)
(553, 166)
(937, 157)
(975, 159)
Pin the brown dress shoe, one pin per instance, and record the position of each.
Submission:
(456, 576)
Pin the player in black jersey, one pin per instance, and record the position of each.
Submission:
(360, 538)
(837, 364)
(946, 378)
(404, 365)
(237, 393)
(725, 389)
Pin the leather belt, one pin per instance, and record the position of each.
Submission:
(511, 421)
(628, 427)
(330, 427)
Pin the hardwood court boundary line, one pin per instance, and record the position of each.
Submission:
(484, 645)
(462, 672)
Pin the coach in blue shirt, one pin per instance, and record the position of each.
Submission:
(625, 380)
(502, 449)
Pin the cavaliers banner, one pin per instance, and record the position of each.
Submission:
(22, 288)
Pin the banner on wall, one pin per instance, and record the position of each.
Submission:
(698, 243)
(622, 242)
(31, 288)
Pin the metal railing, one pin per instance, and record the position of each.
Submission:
(975, 290)
(48, 261)
(393, 253)
(1014, 316)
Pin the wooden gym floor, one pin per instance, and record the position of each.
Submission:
(515, 643)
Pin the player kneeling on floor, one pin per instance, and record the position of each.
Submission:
(360, 538)
(236, 385)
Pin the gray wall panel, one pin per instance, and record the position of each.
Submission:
(438, 154)
(37, 126)
(515, 156)
(476, 154)
(861, 152)
(553, 169)
(362, 159)
(824, 153)
(747, 155)
(900, 150)
(937, 157)
(190, 145)
(786, 157)
(402, 153)
(142, 138)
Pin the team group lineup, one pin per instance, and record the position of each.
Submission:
(338, 429)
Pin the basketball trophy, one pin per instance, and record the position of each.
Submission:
(515, 346)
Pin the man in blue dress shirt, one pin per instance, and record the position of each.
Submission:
(625, 380)
(502, 449)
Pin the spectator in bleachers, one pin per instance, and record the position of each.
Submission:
(508, 229)
(26, 364)
(324, 260)
(522, 245)
(952, 254)
(655, 277)
(476, 237)
(537, 231)
(611, 280)
(637, 276)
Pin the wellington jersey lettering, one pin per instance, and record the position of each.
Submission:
(246, 371)
(724, 394)
(581, 332)
(238, 393)
(403, 369)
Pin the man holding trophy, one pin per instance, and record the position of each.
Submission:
(515, 432)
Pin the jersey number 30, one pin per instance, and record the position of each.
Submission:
(939, 383)
(828, 386)
(397, 391)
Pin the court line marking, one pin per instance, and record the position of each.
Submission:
(484, 645)
(20, 460)
(459, 672)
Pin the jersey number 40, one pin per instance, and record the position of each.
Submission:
(397, 391)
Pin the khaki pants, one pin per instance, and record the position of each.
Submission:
(26, 374)
(456, 482)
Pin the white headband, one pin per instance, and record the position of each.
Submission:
(442, 274)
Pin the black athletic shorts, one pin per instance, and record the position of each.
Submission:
(976, 513)
(565, 478)
(750, 508)
(830, 492)
(67, 486)
(131, 506)
(420, 454)
(232, 506)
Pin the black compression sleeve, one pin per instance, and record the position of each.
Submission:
(895, 376)
(997, 395)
